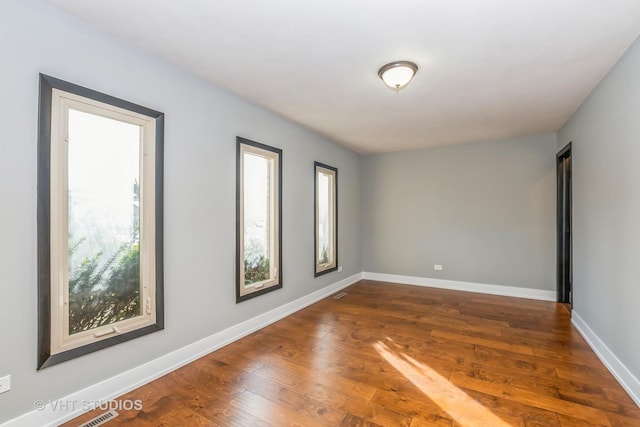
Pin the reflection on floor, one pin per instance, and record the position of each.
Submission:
(455, 402)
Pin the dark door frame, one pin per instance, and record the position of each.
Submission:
(564, 226)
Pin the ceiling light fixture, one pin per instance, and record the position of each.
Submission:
(397, 74)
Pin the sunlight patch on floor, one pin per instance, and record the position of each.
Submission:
(455, 402)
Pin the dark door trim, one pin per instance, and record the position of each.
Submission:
(564, 226)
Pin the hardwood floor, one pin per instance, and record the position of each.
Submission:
(395, 355)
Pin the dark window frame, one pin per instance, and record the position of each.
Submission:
(240, 141)
(44, 356)
(317, 165)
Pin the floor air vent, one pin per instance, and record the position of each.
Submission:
(340, 295)
(101, 419)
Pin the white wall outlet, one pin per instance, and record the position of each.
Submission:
(437, 267)
(339, 269)
(5, 384)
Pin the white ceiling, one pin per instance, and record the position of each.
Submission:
(488, 69)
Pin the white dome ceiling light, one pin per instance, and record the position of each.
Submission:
(397, 74)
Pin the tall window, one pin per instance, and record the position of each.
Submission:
(326, 219)
(258, 219)
(99, 216)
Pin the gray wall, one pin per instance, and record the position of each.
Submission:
(202, 122)
(605, 136)
(485, 211)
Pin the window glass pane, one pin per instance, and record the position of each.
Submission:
(103, 221)
(325, 255)
(257, 241)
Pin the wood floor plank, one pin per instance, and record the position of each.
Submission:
(288, 394)
(316, 392)
(337, 381)
(531, 398)
(395, 355)
(376, 414)
(586, 393)
(415, 404)
(618, 420)
(568, 421)
(351, 420)
(484, 342)
(274, 413)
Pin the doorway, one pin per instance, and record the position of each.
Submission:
(564, 223)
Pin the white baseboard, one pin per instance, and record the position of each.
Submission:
(621, 373)
(508, 291)
(69, 407)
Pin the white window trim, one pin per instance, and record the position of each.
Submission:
(61, 341)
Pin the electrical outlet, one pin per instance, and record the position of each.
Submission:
(339, 269)
(5, 384)
(437, 267)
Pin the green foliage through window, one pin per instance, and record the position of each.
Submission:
(324, 255)
(256, 265)
(257, 271)
(103, 294)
